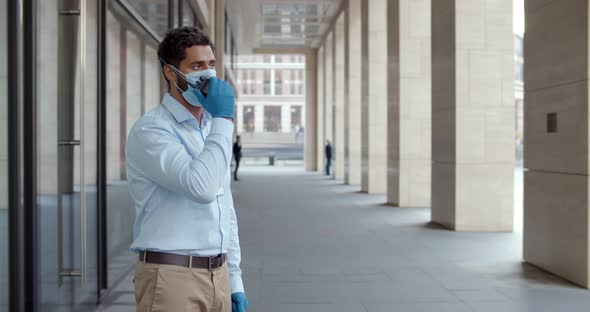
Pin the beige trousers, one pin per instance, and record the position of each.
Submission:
(171, 288)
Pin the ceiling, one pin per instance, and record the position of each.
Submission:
(279, 25)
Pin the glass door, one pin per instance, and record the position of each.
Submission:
(67, 156)
(4, 291)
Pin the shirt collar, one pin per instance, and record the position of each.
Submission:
(180, 112)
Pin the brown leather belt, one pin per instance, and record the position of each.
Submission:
(210, 263)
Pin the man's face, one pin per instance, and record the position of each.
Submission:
(198, 57)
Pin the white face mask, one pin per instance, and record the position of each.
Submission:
(191, 79)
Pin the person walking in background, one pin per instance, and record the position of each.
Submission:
(237, 150)
(328, 157)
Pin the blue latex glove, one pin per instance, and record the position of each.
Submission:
(239, 302)
(220, 100)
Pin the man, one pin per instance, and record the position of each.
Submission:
(178, 164)
(237, 151)
(328, 157)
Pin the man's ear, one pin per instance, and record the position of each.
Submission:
(169, 73)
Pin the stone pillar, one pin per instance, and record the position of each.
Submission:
(364, 95)
(329, 95)
(321, 109)
(354, 67)
(339, 139)
(556, 141)
(311, 111)
(377, 104)
(259, 118)
(473, 115)
(409, 162)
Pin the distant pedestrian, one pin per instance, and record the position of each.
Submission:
(237, 150)
(328, 157)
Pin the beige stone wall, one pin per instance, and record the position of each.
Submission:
(311, 110)
(556, 185)
(329, 91)
(364, 97)
(377, 166)
(409, 141)
(339, 140)
(321, 105)
(443, 111)
(355, 62)
(473, 114)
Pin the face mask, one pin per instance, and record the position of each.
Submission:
(191, 80)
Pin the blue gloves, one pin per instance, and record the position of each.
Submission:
(239, 302)
(220, 100)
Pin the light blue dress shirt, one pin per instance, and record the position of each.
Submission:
(179, 178)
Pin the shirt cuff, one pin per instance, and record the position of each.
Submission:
(236, 284)
(222, 126)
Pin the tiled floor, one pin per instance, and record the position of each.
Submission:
(312, 244)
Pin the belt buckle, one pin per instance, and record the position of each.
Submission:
(211, 263)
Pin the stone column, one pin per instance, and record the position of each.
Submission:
(321, 109)
(329, 95)
(339, 139)
(354, 68)
(311, 111)
(473, 115)
(556, 141)
(377, 104)
(364, 74)
(409, 162)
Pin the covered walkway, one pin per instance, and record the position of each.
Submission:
(310, 244)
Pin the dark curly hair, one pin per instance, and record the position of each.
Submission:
(173, 48)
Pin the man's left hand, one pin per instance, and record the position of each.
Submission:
(239, 302)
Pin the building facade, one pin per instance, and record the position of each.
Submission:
(271, 92)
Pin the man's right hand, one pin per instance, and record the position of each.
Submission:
(220, 100)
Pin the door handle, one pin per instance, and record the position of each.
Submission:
(82, 271)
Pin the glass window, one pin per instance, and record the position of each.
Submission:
(267, 90)
(272, 118)
(154, 13)
(188, 16)
(278, 87)
(266, 87)
(296, 117)
(248, 119)
(123, 112)
(3, 162)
